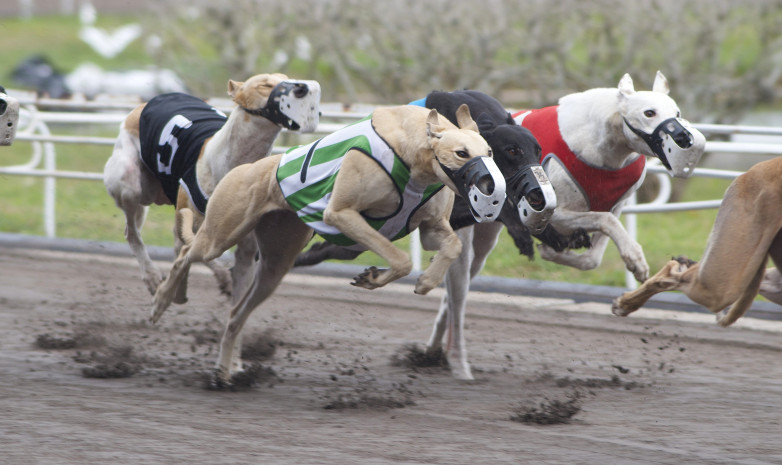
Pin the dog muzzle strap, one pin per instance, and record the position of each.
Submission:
(292, 104)
(9, 117)
(481, 183)
(532, 193)
(676, 143)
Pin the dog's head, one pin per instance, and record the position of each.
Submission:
(653, 126)
(9, 117)
(289, 103)
(517, 154)
(462, 161)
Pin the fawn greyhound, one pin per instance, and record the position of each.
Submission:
(362, 186)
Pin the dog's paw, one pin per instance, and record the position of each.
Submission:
(423, 285)
(153, 280)
(616, 308)
(159, 306)
(368, 279)
(218, 381)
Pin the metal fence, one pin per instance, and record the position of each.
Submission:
(38, 113)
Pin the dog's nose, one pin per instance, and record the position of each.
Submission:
(3, 106)
(301, 90)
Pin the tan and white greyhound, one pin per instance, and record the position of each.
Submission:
(397, 159)
(150, 159)
(746, 233)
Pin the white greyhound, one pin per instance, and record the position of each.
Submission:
(746, 233)
(364, 185)
(175, 148)
(9, 117)
(591, 144)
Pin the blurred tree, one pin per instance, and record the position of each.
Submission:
(722, 58)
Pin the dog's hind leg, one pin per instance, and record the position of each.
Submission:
(135, 214)
(478, 241)
(281, 237)
(771, 286)
(132, 188)
(245, 256)
(457, 282)
(736, 253)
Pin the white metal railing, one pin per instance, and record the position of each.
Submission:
(34, 128)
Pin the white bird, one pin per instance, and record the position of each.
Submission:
(110, 44)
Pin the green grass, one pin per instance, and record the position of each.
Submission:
(85, 211)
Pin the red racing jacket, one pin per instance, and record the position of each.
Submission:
(602, 187)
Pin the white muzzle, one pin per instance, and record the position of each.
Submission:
(9, 118)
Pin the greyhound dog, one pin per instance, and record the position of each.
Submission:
(531, 201)
(360, 187)
(175, 148)
(531, 198)
(9, 117)
(591, 144)
(747, 231)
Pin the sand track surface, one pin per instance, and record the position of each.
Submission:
(85, 379)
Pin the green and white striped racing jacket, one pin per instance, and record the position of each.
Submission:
(306, 175)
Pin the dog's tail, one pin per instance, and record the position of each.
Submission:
(184, 225)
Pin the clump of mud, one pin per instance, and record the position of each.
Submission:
(368, 395)
(413, 357)
(84, 337)
(549, 412)
(259, 347)
(110, 362)
(253, 375)
(597, 383)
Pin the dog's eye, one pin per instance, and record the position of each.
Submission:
(462, 154)
(678, 114)
(512, 150)
(650, 113)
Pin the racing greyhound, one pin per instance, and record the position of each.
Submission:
(362, 186)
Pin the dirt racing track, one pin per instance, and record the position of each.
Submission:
(85, 379)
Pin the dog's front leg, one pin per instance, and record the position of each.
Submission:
(353, 225)
(605, 224)
(437, 235)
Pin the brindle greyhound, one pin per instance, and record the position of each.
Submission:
(400, 155)
(217, 146)
(746, 233)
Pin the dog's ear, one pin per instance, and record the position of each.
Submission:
(485, 123)
(626, 86)
(433, 126)
(661, 84)
(233, 87)
(463, 118)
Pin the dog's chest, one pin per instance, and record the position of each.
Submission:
(173, 129)
(599, 187)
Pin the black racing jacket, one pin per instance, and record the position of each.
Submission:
(173, 128)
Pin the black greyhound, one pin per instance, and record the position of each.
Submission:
(516, 152)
